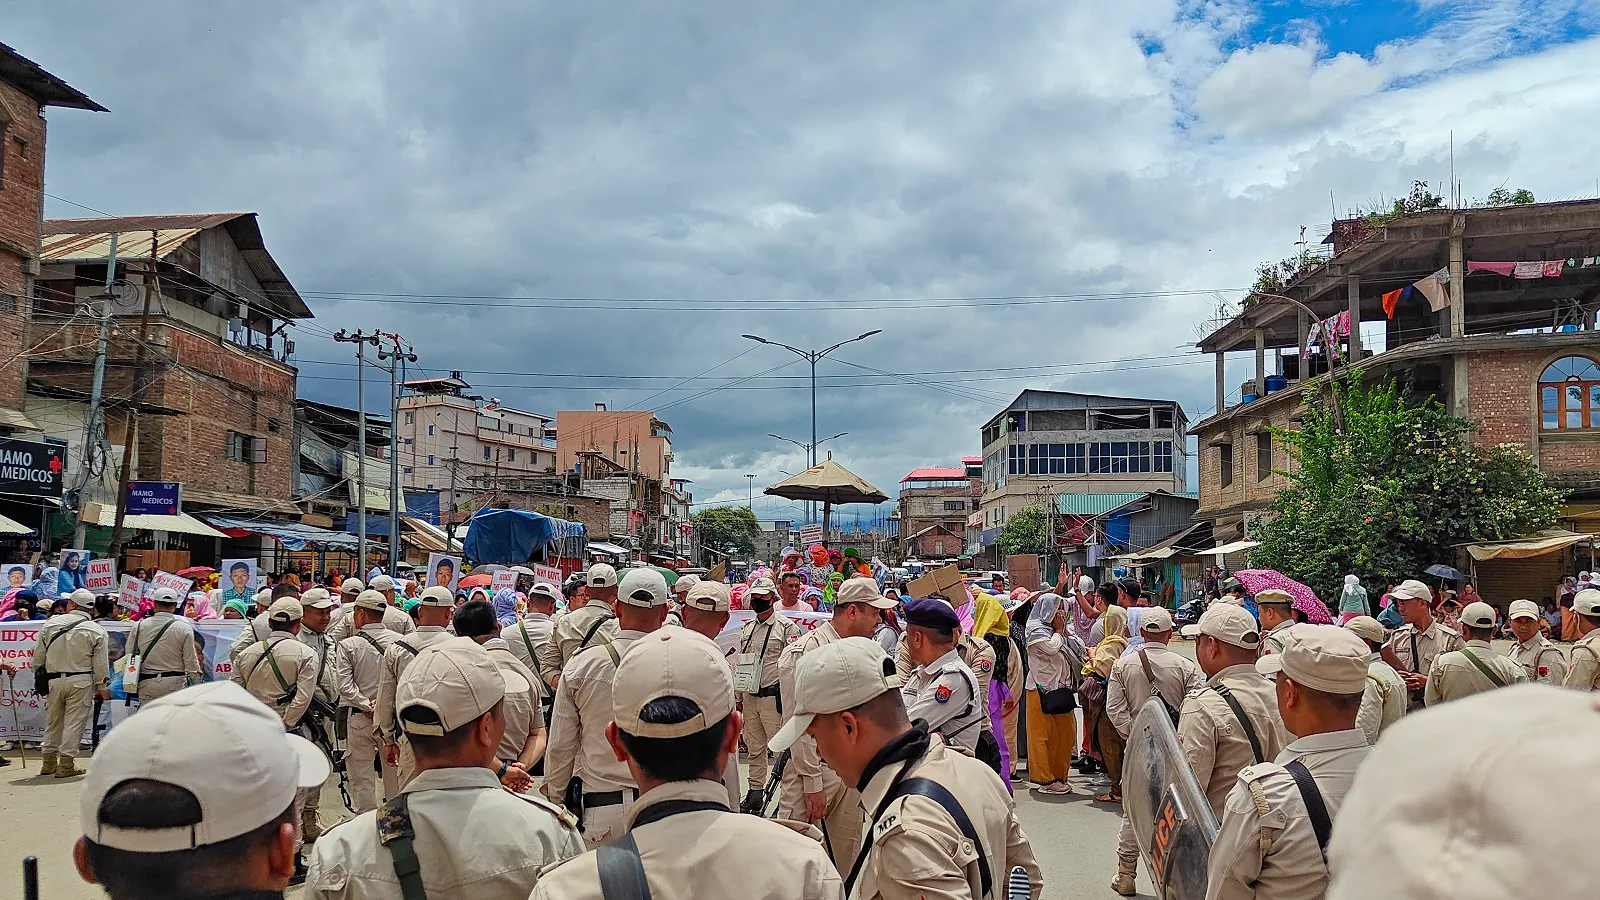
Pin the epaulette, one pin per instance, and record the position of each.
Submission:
(560, 812)
(1257, 772)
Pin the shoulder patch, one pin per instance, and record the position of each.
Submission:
(1254, 773)
(942, 693)
(983, 666)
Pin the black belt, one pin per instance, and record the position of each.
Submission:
(771, 691)
(145, 676)
(68, 674)
(608, 798)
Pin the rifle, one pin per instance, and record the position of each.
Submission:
(774, 781)
(316, 720)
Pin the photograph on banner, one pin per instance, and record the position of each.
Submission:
(102, 577)
(130, 592)
(443, 570)
(17, 576)
(238, 580)
(72, 571)
(505, 578)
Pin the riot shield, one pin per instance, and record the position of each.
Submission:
(1166, 808)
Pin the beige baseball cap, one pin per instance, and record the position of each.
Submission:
(642, 587)
(382, 583)
(262, 597)
(709, 596)
(371, 600)
(164, 595)
(1436, 790)
(1367, 628)
(218, 743)
(684, 583)
(671, 662)
(1155, 619)
(1273, 595)
(352, 586)
(1478, 615)
(1523, 609)
(438, 595)
(546, 590)
(862, 589)
(1322, 657)
(833, 678)
(601, 576)
(456, 679)
(1410, 589)
(81, 597)
(1587, 603)
(1229, 624)
(763, 586)
(286, 609)
(316, 598)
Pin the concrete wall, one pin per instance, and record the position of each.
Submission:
(21, 201)
(611, 433)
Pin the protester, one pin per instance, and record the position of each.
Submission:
(1352, 600)
(1055, 657)
(789, 587)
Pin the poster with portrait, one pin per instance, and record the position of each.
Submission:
(237, 579)
(443, 570)
(72, 571)
(15, 577)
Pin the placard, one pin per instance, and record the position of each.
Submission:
(547, 574)
(944, 582)
(130, 593)
(505, 578)
(237, 579)
(443, 570)
(1022, 571)
(102, 577)
(72, 570)
(811, 534)
(15, 577)
(180, 586)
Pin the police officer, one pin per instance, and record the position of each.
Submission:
(1151, 670)
(74, 650)
(942, 690)
(705, 610)
(344, 625)
(761, 643)
(1414, 646)
(915, 788)
(674, 723)
(594, 623)
(1277, 615)
(164, 644)
(522, 746)
(680, 590)
(358, 669)
(977, 654)
(1383, 700)
(453, 831)
(1583, 671)
(198, 791)
(578, 746)
(317, 612)
(526, 635)
(1475, 667)
(433, 620)
(1233, 722)
(279, 670)
(1541, 660)
(1272, 838)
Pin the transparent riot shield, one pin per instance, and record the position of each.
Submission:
(1168, 811)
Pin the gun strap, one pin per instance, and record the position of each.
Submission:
(283, 683)
(932, 790)
(1244, 720)
(44, 655)
(522, 627)
(1321, 824)
(621, 870)
(157, 639)
(397, 834)
(1478, 664)
(589, 635)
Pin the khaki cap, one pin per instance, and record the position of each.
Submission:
(438, 595)
(1155, 619)
(287, 609)
(316, 598)
(763, 586)
(352, 586)
(262, 597)
(709, 596)
(382, 583)
(1587, 603)
(456, 679)
(81, 597)
(1435, 789)
(1273, 595)
(1523, 609)
(1229, 624)
(833, 678)
(642, 587)
(1410, 589)
(862, 589)
(546, 590)
(1367, 628)
(601, 575)
(671, 662)
(1322, 657)
(1478, 615)
(164, 595)
(685, 583)
(371, 600)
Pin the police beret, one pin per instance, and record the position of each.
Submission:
(932, 613)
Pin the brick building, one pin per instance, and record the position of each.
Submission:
(933, 508)
(25, 91)
(1513, 348)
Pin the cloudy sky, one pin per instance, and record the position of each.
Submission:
(581, 202)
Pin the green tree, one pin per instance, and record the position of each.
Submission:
(1502, 197)
(727, 528)
(1026, 532)
(1393, 492)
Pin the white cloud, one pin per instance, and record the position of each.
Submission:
(1277, 88)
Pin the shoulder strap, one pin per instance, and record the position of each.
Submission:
(50, 639)
(406, 647)
(396, 833)
(1479, 665)
(621, 870)
(1312, 795)
(157, 639)
(589, 635)
(1383, 686)
(526, 642)
(371, 640)
(1244, 720)
(283, 683)
(923, 787)
(1149, 673)
(611, 650)
(972, 700)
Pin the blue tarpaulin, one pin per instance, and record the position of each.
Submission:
(512, 536)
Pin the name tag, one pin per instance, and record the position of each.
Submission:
(747, 677)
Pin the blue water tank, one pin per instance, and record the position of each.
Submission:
(1247, 398)
(1277, 382)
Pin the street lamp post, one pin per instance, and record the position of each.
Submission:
(750, 491)
(811, 454)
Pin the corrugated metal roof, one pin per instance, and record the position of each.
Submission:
(936, 474)
(73, 246)
(30, 78)
(1093, 504)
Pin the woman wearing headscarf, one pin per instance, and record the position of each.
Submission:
(887, 631)
(1054, 657)
(1101, 733)
(505, 607)
(235, 609)
(1352, 600)
(200, 608)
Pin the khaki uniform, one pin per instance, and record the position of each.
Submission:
(525, 637)
(1417, 651)
(254, 632)
(296, 662)
(975, 652)
(167, 658)
(578, 747)
(327, 688)
(706, 855)
(344, 622)
(474, 841)
(1213, 738)
(808, 774)
(1383, 701)
(1453, 675)
(917, 851)
(763, 710)
(358, 668)
(944, 694)
(1583, 670)
(396, 657)
(1266, 846)
(523, 717)
(81, 666)
(1541, 660)
(1128, 690)
(567, 633)
(1272, 641)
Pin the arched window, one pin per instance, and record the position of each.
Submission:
(1569, 395)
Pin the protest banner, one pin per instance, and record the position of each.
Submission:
(130, 593)
(505, 578)
(167, 580)
(547, 574)
(102, 576)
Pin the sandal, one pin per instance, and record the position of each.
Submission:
(1109, 797)
(1056, 787)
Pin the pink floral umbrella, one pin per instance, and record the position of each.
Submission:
(1305, 599)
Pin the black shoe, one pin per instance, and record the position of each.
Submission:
(4, 762)
(299, 876)
(751, 804)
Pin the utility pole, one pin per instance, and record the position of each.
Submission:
(398, 357)
(94, 427)
(455, 464)
(152, 285)
(361, 341)
(750, 492)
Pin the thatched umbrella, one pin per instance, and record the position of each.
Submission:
(829, 483)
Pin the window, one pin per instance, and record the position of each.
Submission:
(1163, 417)
(1161, 456)
(410, 418)
(511, 454)
(486, 453)
(1119, 457)
(246, 448)
(1225, 464)
(1569, 395)
(274, 426)
(955, 506)
(407, 470)
(938, 548)
(430, 427)
(1263, 455)
(430, 459)
(408, 442)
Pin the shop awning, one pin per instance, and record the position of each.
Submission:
(1229, 549)
(12, 526)
(292, 535)
(1545, 542)
(105, 515)
(424, 536)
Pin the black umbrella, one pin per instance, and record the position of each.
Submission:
(1443, 571)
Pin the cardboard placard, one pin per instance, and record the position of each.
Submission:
(505, 578)
(1022, 571)
(180, 586)
(719, 572)
(131, 593)
(945, 582)
(102, 576)
(546, 574)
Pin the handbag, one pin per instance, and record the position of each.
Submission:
(1057, 701)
